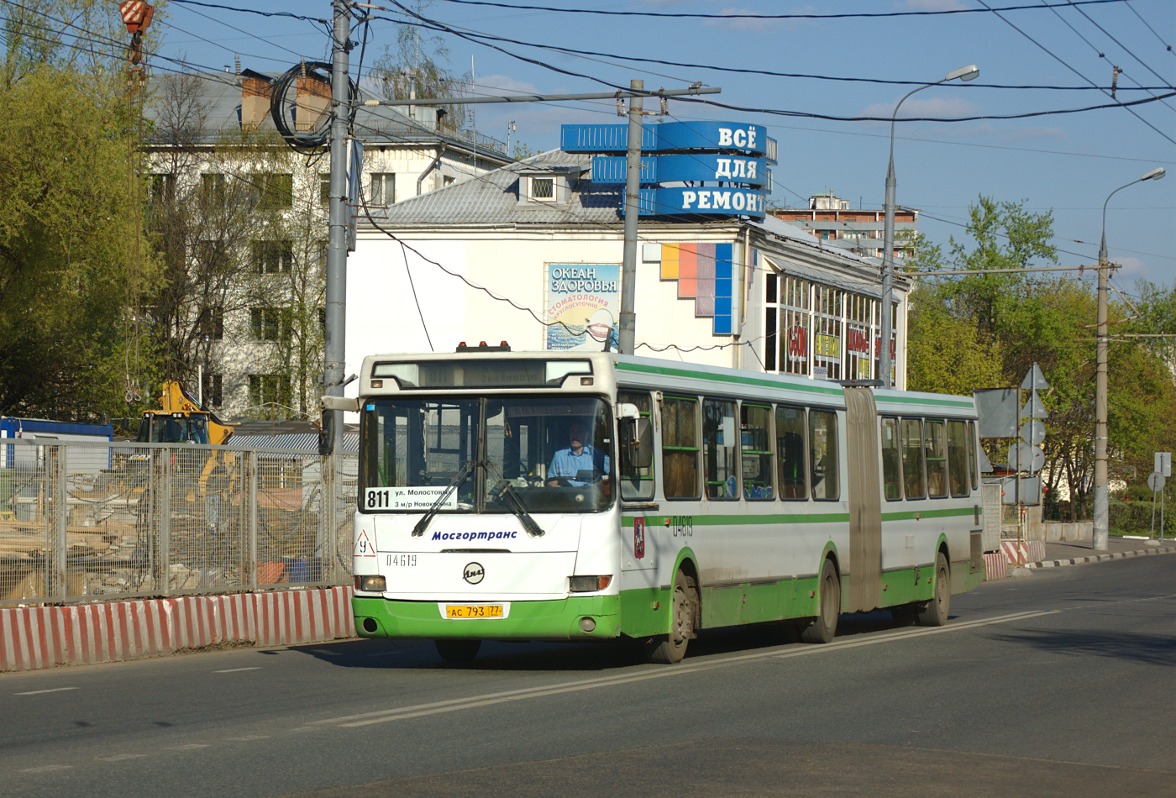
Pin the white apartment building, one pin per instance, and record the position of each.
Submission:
(242, 219)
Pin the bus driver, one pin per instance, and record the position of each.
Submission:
(577, 458)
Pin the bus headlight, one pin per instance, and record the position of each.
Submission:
(589, 584)
(371, 584)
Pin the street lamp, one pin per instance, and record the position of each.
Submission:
(969, 72)
(1101, 502)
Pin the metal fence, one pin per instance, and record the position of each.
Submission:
(83, 521)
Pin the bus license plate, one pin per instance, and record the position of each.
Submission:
(474, 611)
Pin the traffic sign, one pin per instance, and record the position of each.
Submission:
(1034, 408)
(1034, 380)
(1024, 457)
(1033, 432)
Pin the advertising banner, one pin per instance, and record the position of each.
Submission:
(583, 302)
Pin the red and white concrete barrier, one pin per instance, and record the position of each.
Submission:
(1025, 551)
(996, 566)
(45, 637)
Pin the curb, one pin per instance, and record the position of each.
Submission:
(1119, 555)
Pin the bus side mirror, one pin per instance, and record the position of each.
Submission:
(330, 406)
(326, 436)
(636, 448)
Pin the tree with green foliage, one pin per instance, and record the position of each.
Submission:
(72, 255)
(1142, 357)
(988, 328)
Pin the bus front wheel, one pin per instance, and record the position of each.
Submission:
(669, 649)
(823, 628)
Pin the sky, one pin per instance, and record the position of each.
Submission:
(824, 78)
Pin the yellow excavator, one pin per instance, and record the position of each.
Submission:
(181, 419)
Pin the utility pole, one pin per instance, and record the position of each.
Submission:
(628, 322)
(336, 277)
(1101, 487)
(1101, 492)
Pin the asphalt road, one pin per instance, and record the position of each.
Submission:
(1058, 683)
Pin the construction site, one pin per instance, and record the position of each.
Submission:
(193, 506)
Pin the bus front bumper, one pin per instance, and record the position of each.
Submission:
(573, 618)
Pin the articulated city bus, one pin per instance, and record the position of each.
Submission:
(597, 496)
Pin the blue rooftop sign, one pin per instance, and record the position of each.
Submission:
(609, 169)
(736, 137)
(700, 200)
(712, 168)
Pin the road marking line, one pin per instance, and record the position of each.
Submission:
(47, 769)
(238, 670)
(660, 672)
(54, 690)
(188, 747)
(120, 757)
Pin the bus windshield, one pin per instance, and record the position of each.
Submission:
(507, 454)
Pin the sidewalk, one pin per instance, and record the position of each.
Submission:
(1079, 552)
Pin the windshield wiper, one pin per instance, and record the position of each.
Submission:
(516, 506)
(427, 518)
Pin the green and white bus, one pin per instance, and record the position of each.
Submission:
(712, 497)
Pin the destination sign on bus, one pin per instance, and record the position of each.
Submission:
(408, 498)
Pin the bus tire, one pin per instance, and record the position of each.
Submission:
(670, 649)
(823, 628)
(457, 652)
(935, 611)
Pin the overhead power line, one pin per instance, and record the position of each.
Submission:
(1147, 25)
(739, 15)
(579, 52)
(1062, 61)
(974, 118)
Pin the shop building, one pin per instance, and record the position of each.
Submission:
(532, 254)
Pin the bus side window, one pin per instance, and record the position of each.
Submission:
(935, 433)
(680, 448)
(718, 449)
(823, 454)
(637, 484)
(754, 432)
(957, 458)
(973, 462)
(912, 459)
(891, 472)
(790, 457)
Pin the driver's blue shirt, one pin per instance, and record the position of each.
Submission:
(566, 464)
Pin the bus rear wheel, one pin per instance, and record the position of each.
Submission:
(458, 651)
(935, 611)
(824, 627)
(671, 648)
